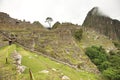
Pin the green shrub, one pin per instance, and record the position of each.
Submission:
(111, 74)
(92, 52)
(96, 54)
(104, 65)
(115, 60)
(78, 34)
(96, 61)
(108, 65)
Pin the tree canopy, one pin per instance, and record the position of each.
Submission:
(49, 20)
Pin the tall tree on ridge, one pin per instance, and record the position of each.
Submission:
(49, 20)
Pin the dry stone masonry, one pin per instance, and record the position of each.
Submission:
(17, 61)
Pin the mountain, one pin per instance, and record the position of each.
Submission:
(58, 45)
(103, 24)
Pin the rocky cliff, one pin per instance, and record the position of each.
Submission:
(102, 24)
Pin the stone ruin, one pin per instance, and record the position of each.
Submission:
(17, 61)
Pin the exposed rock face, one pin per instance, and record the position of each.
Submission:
(102, 24)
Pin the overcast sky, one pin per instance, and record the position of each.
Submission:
(73, 11)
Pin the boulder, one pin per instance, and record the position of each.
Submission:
(21, 69)
(65, 78)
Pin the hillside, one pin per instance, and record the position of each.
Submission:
(42, 67)
(55, 43)
(55, 51)
(91, 37)
(8, 23)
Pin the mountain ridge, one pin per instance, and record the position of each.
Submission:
(102, 24)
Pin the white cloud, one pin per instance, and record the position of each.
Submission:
(109, 7)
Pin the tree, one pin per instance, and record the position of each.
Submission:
(49, 20)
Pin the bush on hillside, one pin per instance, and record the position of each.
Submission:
(108, 65)
(103, 66)
(112, 74)
(78, 34)
(96, 54)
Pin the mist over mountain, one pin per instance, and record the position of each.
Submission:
(102, 24)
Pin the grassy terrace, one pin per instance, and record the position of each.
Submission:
(38, 63)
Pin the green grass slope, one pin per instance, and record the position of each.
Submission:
(38, 63)
(91, 37)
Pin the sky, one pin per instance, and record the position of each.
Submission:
(73, 11)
